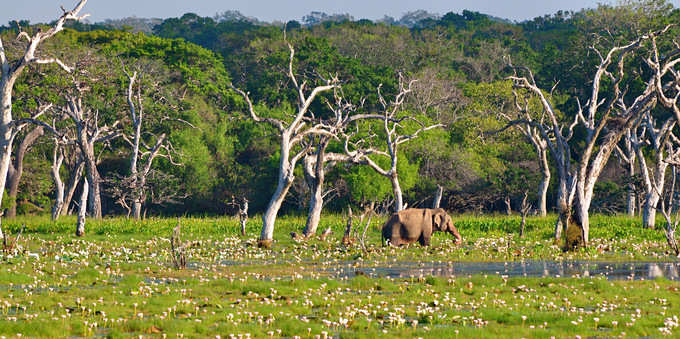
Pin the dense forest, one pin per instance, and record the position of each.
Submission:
(208, 153)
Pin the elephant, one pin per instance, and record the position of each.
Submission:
(417, 224)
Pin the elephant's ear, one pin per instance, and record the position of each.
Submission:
(437, 221)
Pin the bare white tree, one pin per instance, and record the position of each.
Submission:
(667, 83)
(654, 179)
(524, 210)
(436, 95)
(438, 196)
(83, 134)
(75, 167)
(317, 163)
(16, 167)
(75, 175)
(605, 120)
(142, 155)
(12, 69)
(63, 139)
(670, 204)
(82, 208)
(393, 120)
(535, 137)
(292, 135)
(628, 156)
(88, 133)
(315, 167)
(57, 161)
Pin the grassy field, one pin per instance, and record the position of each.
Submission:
(119, 281)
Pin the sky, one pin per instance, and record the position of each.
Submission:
(284, 10)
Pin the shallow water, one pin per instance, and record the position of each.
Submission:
(610, 270)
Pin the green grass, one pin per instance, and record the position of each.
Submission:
(118, 281)
(486, 238)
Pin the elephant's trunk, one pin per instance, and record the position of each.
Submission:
(453, 231)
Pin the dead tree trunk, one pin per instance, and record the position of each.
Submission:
(75, 174)
(285, 180)
(551, 134)
(524, 209)
(669, 208)
(392, 121)
(315, 175)
(291, 136)
(630, 194)
(628, 156)
(545, 182)
(315, 168)
(654, 182)
(57, 160)
(438, 197)
(136, 140)
(11, 70)
(82, 209)
(369, 211)
(534, 136)
(16, 167)
(508, 205)
(396, 190)
(318, 163)
(668, 95)
(592, 162)
(58, 157)
(243, 216)
(605, 122)
(88, 133)
(177, 248)
(142, 155)
(93, 178)
(566, 188)
(242, 210)
(631, 159)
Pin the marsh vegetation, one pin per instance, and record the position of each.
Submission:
(467, 112)
(119, 280)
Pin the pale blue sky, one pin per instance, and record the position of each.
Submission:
(268, 10)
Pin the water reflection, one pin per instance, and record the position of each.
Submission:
(611, 270)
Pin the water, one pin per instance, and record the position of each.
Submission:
(610, 270)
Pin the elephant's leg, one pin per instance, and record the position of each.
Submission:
(398, 235)
(396, 241)
(388, 237)
(424, 240)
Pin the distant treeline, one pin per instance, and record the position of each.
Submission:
(459, 60)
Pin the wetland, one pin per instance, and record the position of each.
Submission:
(119, 281)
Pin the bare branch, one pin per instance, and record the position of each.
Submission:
(37, 122)
(50, 61)
(3, 59)
(274, 122)
(23, 35)
(405, 138)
